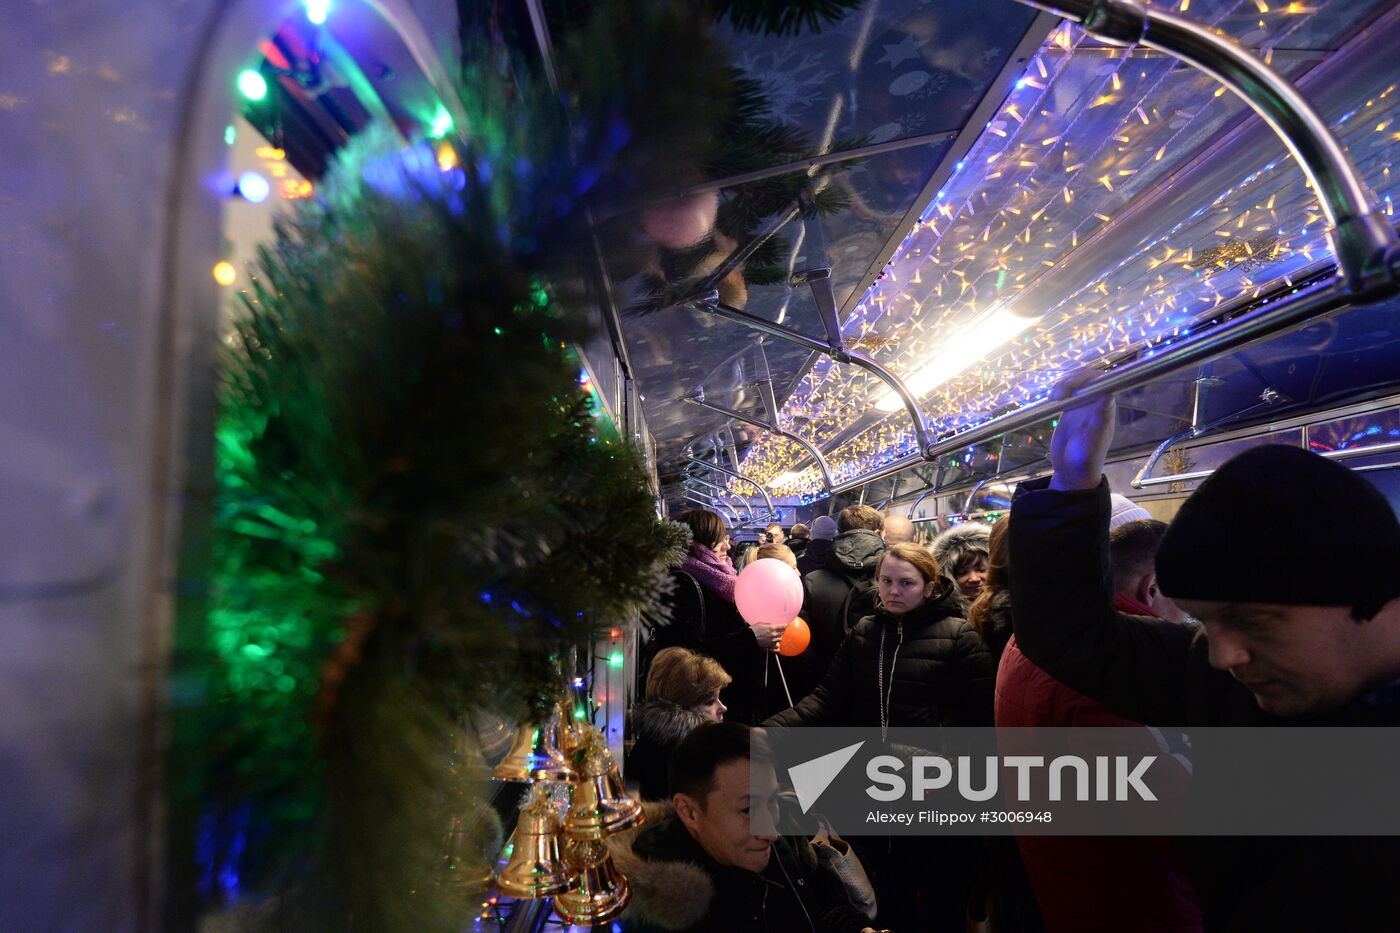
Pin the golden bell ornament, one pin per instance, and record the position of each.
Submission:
(535, 867)
(601, 805)
(602, 892)
(535, 756)
(573, 730)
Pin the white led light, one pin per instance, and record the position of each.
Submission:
(253, 187)
(967, 347)
(783, 479)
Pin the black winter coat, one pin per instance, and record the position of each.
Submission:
(836, 596)
(814, 556)
(659, 726)
(706, 622)
(678, 886)
(1158, 672)
(941, 672)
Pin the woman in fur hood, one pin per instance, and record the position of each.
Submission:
(962, 553)
(682, 691)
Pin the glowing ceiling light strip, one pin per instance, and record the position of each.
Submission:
(958, 355)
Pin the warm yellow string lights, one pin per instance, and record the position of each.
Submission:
(1085, 132)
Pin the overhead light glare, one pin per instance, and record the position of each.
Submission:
(318, 10)
(784, 479)
(959, 355)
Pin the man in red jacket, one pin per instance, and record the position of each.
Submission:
(1087, 884)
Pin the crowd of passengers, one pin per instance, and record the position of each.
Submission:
(1072, 611)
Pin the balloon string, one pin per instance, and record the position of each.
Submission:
(779, 661)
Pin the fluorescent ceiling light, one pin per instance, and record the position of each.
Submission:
(958, 355)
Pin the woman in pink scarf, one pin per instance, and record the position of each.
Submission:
(704, 618)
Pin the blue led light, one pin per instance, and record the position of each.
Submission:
(253, 187)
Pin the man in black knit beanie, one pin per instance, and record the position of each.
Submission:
(1292, 564)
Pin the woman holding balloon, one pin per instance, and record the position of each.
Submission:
(704, 618)
(769, 593)
(915, 662)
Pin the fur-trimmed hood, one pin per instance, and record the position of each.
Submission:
(952, 546)
(664, 722)
(666, 895)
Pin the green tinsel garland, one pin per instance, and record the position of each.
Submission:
(417, 515)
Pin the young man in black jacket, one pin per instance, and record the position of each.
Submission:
(1280, 643)
(704, 869)
(837, 595)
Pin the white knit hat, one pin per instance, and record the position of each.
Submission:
(1125, 510)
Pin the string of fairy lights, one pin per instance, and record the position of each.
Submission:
(1084, 133)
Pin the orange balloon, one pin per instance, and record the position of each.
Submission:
(796, 637)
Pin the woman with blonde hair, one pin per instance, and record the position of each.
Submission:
(682, 691)
(915, 662)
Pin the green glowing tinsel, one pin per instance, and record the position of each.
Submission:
(416, 514)
(416, 517)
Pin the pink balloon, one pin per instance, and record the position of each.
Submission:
(768, 592)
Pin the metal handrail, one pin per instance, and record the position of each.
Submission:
(1269, 397)
(1346, 453)
(727, 495)
(768, 426)
(773, 513)
(711, 304)
(714, 504)
(1292, 310)
(917, 502)
(1362, 239)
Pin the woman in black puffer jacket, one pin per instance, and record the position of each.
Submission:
(915, 662)
(936, 671)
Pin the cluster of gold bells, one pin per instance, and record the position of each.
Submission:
(567, 859)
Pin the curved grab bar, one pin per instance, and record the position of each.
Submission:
(772, 512)
(759, 423)
(1344, 453)
(712, 504)
(917, 502)
(1362, 239)
(710, 303)
(1270, 396)
(728, 496)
